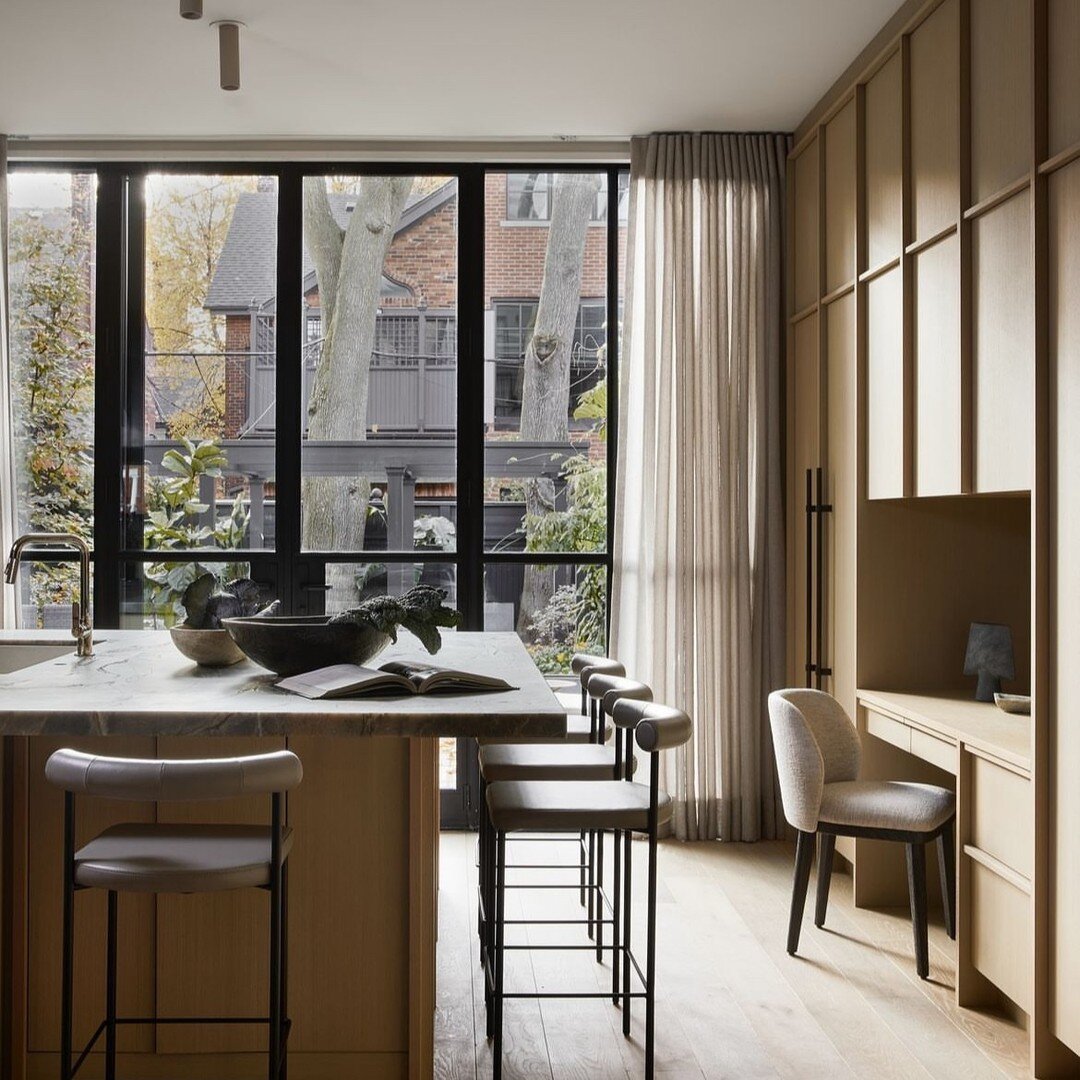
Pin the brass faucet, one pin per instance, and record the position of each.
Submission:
(81, 628)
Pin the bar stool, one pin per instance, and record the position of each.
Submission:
(559, 761)
(584, 666)
(595, 806)
(152, 858)
(818, 756)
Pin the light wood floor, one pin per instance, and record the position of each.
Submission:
(731, 1002)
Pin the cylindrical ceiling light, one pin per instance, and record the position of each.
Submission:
(229, 52)
(191, 9)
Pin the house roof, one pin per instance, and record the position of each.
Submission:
(246, 271)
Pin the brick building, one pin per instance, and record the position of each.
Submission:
(415, 331)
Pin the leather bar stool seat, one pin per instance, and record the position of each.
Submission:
(545, 805)
(178, 858)
(546, 761)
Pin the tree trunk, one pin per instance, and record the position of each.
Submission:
(545, 399)
(348, 265)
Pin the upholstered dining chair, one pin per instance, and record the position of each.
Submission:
(818, 758)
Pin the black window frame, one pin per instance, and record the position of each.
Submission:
(297, 575)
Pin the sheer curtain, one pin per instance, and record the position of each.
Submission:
(8, 607)
(698, 590)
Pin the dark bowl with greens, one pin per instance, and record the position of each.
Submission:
(292, 644)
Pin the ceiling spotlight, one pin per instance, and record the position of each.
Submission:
(191, 9)
(229, 52)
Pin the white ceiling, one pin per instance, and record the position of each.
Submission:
(425, 69)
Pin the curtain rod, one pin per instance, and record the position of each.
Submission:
(601, 151)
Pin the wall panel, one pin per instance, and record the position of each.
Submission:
(935, 122)
(805, 227)
(885, 389)
(937, 370)
(1064, 197)
(1000, 95)
(884, 164)
(840, 199)
(1004, 340)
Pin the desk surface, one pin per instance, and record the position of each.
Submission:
(959, 719)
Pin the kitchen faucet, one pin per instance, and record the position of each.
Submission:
(81, 628)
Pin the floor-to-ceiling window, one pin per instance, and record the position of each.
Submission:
(338, 381)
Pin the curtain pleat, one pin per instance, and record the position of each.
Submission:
(8, 606)
(698, 588)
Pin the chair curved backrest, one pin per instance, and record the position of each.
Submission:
(168, 780)
(816, 744)
(608, 689)
(585, 665)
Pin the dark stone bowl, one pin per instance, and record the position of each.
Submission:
(292, 644)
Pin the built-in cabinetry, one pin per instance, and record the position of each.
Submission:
(933, 358)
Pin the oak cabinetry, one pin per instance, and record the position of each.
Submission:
(965, 381)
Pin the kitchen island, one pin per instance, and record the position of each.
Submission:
(363, 869)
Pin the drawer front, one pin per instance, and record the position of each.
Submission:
(1001, 817)
(885, 727)
(937, 751)
(1001, 933)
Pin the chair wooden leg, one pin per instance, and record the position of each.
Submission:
(804, 856)
(826, 847)
(947, 865)
(916, 868)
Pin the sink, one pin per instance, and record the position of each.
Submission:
(16, 655)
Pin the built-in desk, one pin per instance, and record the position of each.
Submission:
(989, 753)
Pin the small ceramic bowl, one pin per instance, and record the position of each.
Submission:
(208, 648)
(1019, 704)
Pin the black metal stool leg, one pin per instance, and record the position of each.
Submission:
(500, 928)
(600, 896)
(616, 883)
(283, 1068)
(274, 1025)
(110, 989)
(68, 942)
(650, 962)
(592, 883)
(626, 934)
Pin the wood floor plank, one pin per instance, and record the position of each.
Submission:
(730, 1001)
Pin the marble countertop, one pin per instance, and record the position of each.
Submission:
(137, 683)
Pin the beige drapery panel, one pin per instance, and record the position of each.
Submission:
(698, 589)
(8, 607)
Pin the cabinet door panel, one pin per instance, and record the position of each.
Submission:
(804, 452)
(1063, 48)
(1064, 553)
(1000, 95)
(1004, 339)
(841, 413)
(885, 392)
(884, 164)
(937, 370)
(805, 227)
(840, 199)
(213, 952)
(935, 119)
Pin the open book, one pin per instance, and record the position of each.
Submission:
(345, 680)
